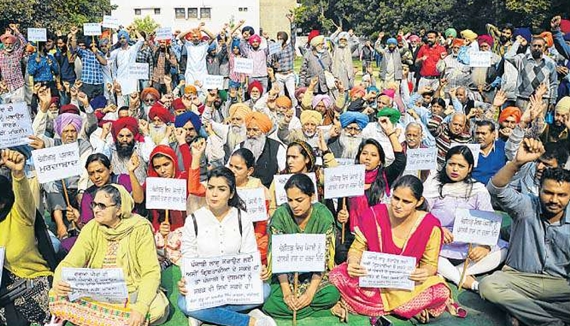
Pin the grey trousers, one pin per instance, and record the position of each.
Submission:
(534, 299)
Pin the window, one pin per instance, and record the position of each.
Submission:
(192, 12)
(205, 13)
(157, 11)
(179, 13)
(242, 9)
(137, 12)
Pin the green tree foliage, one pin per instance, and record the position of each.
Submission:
(146, 24)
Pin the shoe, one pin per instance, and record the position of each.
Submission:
(194, 322)
(261, 319)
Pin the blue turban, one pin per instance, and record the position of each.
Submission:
(392, 41)
(235, 43)
(248, 29)
(124, 33)
(98, 102)
(234, 84)
(213, 46)
(524, 32)
(182, 119)
(372, 89)
(351, 117)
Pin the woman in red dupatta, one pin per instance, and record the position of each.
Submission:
(400, 228)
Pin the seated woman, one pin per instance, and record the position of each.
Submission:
(115, 238)
(452, 189)
(300, 215)
(400, 228)
(220, 229)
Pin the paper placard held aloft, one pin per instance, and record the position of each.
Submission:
(213, 82)
(91, 29)
(387, 271)
(480, 59)
(166, 193)
(37, 35)
(105, 284)
(344, 181)
(15, 125)
(243, 65)
(57, 163)
(138, 70)
(421, 159)
(298, 253)
(255, 203)
(274, 48)
(280, 181)
(163, 34)
(478, 227)
(110, 22)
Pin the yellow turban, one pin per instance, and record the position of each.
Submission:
(469, 35)
(563, 106)
(311, 116)
(260, 120)
(239, 109)
(317, 40)
(284, 101)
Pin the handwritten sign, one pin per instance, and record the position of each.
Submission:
(472, 226)
(110, 22)
(243, 65)
(91, 29)
(387, 271)
(480, 59)
(107, 284)
(213, 82)
(255, 203)
(37, 35)
(421, 159)
(2, 255)
(298, 253)
(280, 181)
(475, 149)
(163, 34)
(345, 161)
(57, 163)
(274, 48)
(166, 193)
(138, 70)
(15, 125)
(344, 181)
(214, 282)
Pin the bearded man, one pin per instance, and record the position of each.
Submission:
(310, 121)
(159, 118)
(347, 143)
(10, 67)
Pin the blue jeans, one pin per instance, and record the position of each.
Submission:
(225, 315)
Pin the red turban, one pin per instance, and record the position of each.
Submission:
(255, 84)
(254, 38)
(157, 110)
(485, 39)
(312, 34)
(177, 104)
(511, 111)
(565, 26)
(9, 37)
(151, 91)
(68, 108)
(127, 122)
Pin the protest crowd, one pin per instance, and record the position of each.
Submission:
(328, 188)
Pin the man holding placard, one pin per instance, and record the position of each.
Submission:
(92, 61)
(10, 68)
(123, 58)
(193, 58)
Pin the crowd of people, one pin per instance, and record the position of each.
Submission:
(424, 93)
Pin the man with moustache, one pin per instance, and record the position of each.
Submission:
(414, 136)
(502, 38)
(428, 57)
(223, 138)
(10, 68)
(391, 66)
(347, 143)
(160, 120)
(492, 155)
(194, 52)
(190, 124)
(123, 58)
(558, 130)
(534, 285)
(446, 134)
(342, 66)
(259, 57)
(310, 121)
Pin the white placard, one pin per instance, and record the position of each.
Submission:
(37, 35)
(274, 48)
(345, 161)
(2, 255)
(255, 202)
(480, 59)
(475, 149)
(163, 34)
(57, 163)
(91, 29)
(213, 82)
(344, 181)
(421, 159)
(243, 65)
(110, 22)
(166, 193)
(15, 125)
(298, 253)
(219, 281)
(387, 271)
(138, 70)
(280, 181)
(105, 284)
(479, 227)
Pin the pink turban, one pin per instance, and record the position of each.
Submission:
(485, 39)
(414, 38)
(254, 38)
(318, 98)
(8, 37)
(65, 119)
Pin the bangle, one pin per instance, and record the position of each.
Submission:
(393, 132)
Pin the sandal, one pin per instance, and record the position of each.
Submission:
(456, 310)
(341, 311)
(423, 317)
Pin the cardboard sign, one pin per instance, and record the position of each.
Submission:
(57, 163)
(298, 253)
(480, 59)
(138, 70)
(37, 35)
(91, 29)
(163, 34)
(219, 281)
(387, 271)
(111, 22)
(243, 65)
(280, 181)
(15, 125)
(166, 193)
(475, 149)
(274, 48)
(213, 82)
(479, 227)
(106, 284)
(255, 203)
(344, 181)
(421, 159)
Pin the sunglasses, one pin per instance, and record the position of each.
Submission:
(100, 206)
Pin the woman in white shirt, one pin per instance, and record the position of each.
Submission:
(221, 229)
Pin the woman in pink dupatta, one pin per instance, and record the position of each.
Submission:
(400, 228)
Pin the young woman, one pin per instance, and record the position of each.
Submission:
(220, 229)
(452, 189)
(399, 228)
(300, 215)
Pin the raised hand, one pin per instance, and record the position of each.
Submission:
(529, 151)
(500, 98)
(198, 147)
(14, 161)
(180, 135)
(134, 163)
(555, 23)
(144, 127)
(36, 142)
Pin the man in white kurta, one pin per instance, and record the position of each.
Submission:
(123, 58)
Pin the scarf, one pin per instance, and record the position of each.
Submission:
(129, 221)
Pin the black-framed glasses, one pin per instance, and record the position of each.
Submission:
(149, 100)
(100, 206)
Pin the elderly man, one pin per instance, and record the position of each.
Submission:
(454, 71)
(223, 138)
(190, 124)
(375, 130)
(310, 121)
(558, 130)
(270, 155)
(342, 67)
(446, 134)
(347, 143)
(160, 120)
(10, 67)
(414, 135)
(315, 63)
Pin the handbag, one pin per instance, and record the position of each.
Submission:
(330, 80)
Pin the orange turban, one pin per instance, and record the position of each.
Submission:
(547, 36)
(151, 91)
(357, 90)
(284, 102)
(260, 120)
(511, 111)
(458, 42)
(240, 110)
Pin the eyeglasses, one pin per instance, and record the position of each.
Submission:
(100, 206)
(355, 129)
(149, 100)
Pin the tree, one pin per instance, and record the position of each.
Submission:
(146, 24)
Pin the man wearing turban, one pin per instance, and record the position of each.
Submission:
(558, 130)
(224, 137)
(159, 118)
(259, 56)
(391, 66)
(347, 143)
(508, 120)
(193, 62)
(149, 96)
(10, 67)
(315, 63)
(310, 121)
(342, 67)
(123, 58)
(386, 115)
(454, 71)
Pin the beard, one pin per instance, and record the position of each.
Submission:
(536, 54)
(236, 135)
(255, 145)
(503, 39)
(349, 144)
(157, 133)
(125, 150)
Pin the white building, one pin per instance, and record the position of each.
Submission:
(185, 14)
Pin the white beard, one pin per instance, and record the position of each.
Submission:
(236, 135)
(157, 134)
(255, 145)
(349, 145)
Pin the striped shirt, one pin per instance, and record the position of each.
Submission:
(444, 139)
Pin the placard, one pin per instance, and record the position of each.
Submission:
(219, 281)
(274, 48)
(213, 82)
(166, 193)
(475, 149)
(243, 65)
(387, 271)
(163, 34)
(15, 125)
(57, 163)
(255, 203)
(345, 161)
(479, 227)
(91, 29)
(344, 181)
(138, 70)
(480, 59)
(2, 255)
(421, 159)
(280, 181)
(105, 284)
(110, 22)
(37, 35)
(298, 253)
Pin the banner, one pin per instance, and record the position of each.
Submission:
(37, 35)
(344, 181)
(479, 227)
(280, 181)
(106, 284)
